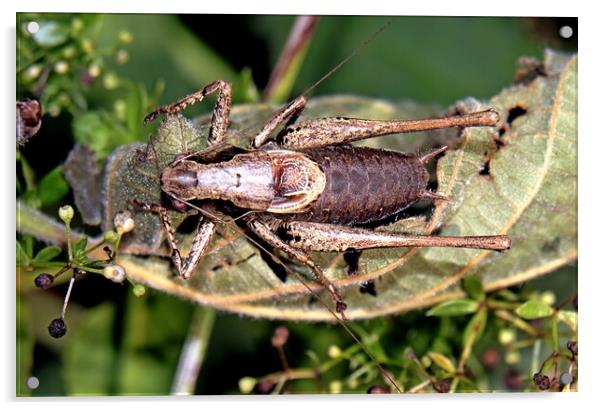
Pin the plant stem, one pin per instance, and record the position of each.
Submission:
(535, 357)
(516, 321)
(555, 331)
(193, 351)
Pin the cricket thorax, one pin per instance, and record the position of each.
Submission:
(277, 181)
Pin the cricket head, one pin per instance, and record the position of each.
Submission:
(179, 180)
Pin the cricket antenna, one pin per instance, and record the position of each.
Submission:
(349, 57)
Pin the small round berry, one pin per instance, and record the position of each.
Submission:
(513, 380)
(280, 336)
(44, 280)
(490, 358)
(573, 347)
(265, 386)
(57, 328)
(542, 381)
(378, 390)
(442, 386)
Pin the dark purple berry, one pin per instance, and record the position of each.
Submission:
(265, 386)
(442, 386)
(44, 280)
(378, 390)
(542, 381)
(280, 336)
(572, 346)
(57, 328)
(513, 380)
(490, 358)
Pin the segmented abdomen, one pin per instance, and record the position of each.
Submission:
(364, 185)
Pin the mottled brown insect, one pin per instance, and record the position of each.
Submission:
(308, 190)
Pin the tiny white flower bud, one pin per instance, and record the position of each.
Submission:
(334, 351)
(94, 70)
(126, 37)
(110, 81)
(122, 57)
(66, 213)
(139, 290)
(111, 236)
(114, 272)
(123, 222)
(61, 67)
(512, 357)
(247, 384)
(506, 336)
(548, 297)
(33, 72)
(336, 387)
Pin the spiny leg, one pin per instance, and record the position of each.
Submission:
(202, 237)
(318, 237)
(266, 233)
(329, 131)
(289, 113)
(221, 111)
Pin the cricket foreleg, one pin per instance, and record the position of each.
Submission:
(288, 113)
(317, 237)
(221, 111)
(266, 233)
(204, 233)
(330, 131)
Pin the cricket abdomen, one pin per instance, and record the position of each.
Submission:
(364, 185)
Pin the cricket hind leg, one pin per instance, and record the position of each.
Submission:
(322, 132)
(266, 232)
(220, 119)
(319, 237)
(203, 235)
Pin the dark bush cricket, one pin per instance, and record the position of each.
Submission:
(309, 190)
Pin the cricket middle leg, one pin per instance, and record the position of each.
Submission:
(265, 232)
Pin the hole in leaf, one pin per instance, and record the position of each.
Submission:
(484, 168)
(352, 258)
(369, 288)
(188, 225)
(514, 113)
